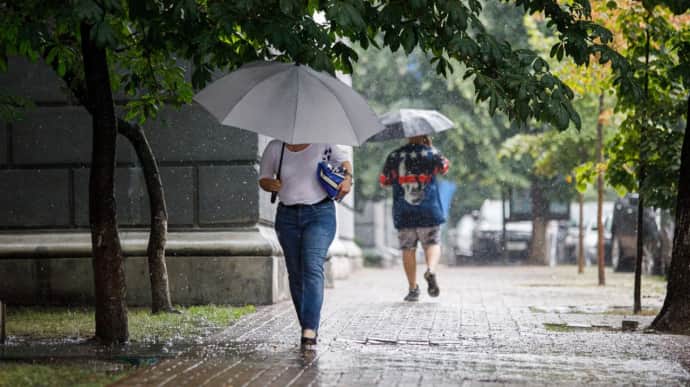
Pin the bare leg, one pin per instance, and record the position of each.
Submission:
(410, 265)
(432, 253)
(310, 333)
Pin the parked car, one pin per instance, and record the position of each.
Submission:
(624, 237)
(569, 232)
(591, 240)
(462, 238)
(487, 237)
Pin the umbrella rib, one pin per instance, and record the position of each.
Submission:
(341, 104)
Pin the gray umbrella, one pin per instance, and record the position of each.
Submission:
(405, 123)
(293, 103)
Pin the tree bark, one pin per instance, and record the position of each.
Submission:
(581, 236)
(637, 296)
(639, 256)
(108, 260)
(540, 206)
(158, 272)
(675, 314)
(160, 289)
(600, 193)
(3, 322)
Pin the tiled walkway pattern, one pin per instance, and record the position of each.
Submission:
(486, 328)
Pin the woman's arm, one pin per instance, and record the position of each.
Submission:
(346, 186)
(267, 167)
(269, 185)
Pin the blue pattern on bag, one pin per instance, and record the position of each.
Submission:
(330, 178)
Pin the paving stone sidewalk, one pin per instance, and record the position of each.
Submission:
(490, 326)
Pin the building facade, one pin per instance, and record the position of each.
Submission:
(221, 245)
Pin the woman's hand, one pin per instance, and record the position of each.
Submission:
(345, 187)
(270, 185)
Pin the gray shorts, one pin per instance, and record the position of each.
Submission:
(408, 237)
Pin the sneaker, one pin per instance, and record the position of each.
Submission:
(413, 295)
(433, 285)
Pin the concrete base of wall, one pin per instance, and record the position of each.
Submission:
(228, 267)
(345, 257)
(193, 280)
(222, 267)
(381, 257)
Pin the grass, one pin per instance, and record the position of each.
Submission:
(62, 322)
(629, 312)
(558, 327)
(61, 374)
(614, 310)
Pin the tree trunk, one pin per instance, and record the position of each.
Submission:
(158, 272)
(537, 249)
(581, 236)
(637, 297)
(108, 261)
(3, 322)
(504, 230)
(675, 314)
(600, 193)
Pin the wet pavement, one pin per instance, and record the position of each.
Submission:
(490, 326)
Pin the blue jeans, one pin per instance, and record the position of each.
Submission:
(305, 232)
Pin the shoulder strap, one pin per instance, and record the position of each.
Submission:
(280, 166)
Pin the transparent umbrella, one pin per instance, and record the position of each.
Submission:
(405, 123)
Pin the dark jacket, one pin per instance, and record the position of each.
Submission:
(412, 171)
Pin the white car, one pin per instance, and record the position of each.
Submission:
(487, 244)
(462, 238)
(591, 239)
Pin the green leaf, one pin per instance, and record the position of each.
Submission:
(88, 10)
(286, 6)
(102, 33)
(416, 4)
(408, 39)
(312, 6)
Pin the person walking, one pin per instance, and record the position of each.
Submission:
(417, 211)
(305, 221)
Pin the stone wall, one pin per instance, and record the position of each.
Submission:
(209, 174)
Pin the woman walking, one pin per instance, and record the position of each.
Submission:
(305, 221)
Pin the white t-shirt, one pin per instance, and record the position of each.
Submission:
(299, 184)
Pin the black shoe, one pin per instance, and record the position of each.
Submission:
(433, 285)
(413, 294)
(308, 343)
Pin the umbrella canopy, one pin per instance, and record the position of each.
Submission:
(293, 103)
(411, 122)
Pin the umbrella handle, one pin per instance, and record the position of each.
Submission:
(280, 166)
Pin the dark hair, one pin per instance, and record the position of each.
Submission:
(423, 139)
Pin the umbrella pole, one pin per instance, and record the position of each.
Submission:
(280, 166)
